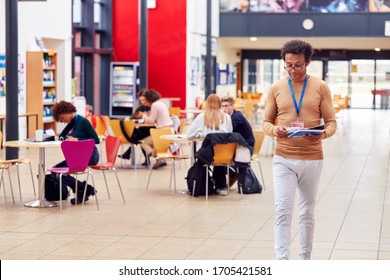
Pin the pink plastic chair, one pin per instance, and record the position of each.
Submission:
(77, 155)
(112, 146)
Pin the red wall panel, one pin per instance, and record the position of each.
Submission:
(166, 43)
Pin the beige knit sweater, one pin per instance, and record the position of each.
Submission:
(316, 104)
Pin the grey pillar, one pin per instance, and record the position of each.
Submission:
(143, 43)
(11, 52)
(208, 59)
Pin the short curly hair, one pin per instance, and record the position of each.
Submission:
(62, 107)
(152, 95)
(297, 47)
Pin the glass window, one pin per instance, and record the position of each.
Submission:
(97, 12)
(338, 77)
(362, 82)
(259, 74)
(77, 11)
(315, 69)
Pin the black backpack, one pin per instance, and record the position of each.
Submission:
(197, 174)
(52, 188)
(252, 184)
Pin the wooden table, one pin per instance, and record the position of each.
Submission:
(41, 202)
(184, 138)
(133, 164)
(27, 115)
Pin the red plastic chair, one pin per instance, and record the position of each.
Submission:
(112, 146)
(77, 155)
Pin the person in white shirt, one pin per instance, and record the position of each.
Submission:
(158, 115)
(213, 120)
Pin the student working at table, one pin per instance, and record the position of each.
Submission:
(213, 120)
(140, 132)
(158, 115)
(77, 128)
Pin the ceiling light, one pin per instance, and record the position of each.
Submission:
(377, 49)
(253, 39)
(308, 24)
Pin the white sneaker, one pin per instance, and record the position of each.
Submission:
(222, 192)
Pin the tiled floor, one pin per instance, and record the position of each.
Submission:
(352, 214)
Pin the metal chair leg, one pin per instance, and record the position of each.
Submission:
(32, 179)
(119, 184)
(60, 192)
(261, 173)
(207, 182)
(12, 189)
(150, 175)
(174, 175)
(105, 180)
(2, 182)
(20, 189)
(93, 185)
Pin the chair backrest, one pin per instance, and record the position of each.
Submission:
(112, 147)
(174, 111)
(182, 126)
(77, 154)
(99, 123)
(259, 139)
(129, 126)
(160, 146)
(256, 96)
(224, 153)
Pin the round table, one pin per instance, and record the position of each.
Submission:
(41, 202)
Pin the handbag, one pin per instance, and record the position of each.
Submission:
(252, 184)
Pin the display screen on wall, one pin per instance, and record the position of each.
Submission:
(296, 6)
(2, 74)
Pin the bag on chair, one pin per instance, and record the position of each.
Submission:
(52, 188)
(197, 174)
(252, 184)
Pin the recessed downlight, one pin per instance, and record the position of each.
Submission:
(253, 39)
(308, 24)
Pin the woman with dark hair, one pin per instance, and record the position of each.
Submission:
(158, 115)
(140, 132)
(78, 128)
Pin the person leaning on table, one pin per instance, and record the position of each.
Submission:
(298, 100)
(79, 128)
(242, 126)
(213, 120)
(140, 132)
(158, 115)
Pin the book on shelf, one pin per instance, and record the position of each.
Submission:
(294, 132)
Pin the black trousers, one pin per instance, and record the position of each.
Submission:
(70, 181)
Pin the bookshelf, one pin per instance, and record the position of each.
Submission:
(41, 87)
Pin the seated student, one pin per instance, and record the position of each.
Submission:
(158, 115)
(242, 126)
(138, 133)
(213, 120)
(80, 129)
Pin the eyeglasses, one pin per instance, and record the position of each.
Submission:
(297, 68)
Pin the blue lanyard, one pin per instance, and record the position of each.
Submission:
(74, 124)
(297, 107)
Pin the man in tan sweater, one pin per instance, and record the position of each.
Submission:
(298, 101)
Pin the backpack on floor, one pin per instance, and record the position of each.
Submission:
(197, 175)
(252, 184)
(52, 188)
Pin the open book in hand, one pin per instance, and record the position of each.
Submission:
(293, 132)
